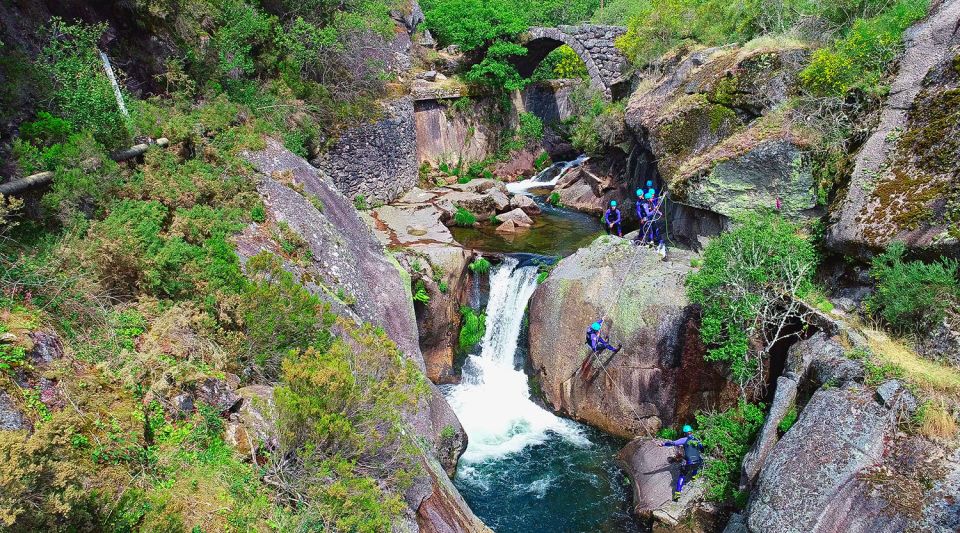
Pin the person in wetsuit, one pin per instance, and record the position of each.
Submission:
(692, 458)
(612, 219)
(597, 343)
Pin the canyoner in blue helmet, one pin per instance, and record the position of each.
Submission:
(597, 343)
(612, 219)
(692, 457)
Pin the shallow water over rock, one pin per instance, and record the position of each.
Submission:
(556, 232)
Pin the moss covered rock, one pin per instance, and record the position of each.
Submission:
(716, 126)
(906, 183)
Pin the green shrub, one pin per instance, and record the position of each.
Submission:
(561, 63)
(480, 266)
(727, 437)
(863, 56)
(42, 480)
(259, 213)
(656, 26)
(448, 432)
(340, 421)
(595, 123)
(741, 286)
(82, 93)
(464, 218)
(554, 199)
(542, 161)
(668, 433)
(360, 203)
(279, 314)
(473, 329)
(496, 71)
(913, 296)
(473, 24)
(420, 293)
(788, 421)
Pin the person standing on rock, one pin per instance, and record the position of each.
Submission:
(692, 457)
(642, 216)
(612, 219)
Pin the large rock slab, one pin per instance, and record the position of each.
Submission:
(410, 225)
(905, 183)
(652, 472)
(811, 478)
(659, 377)
(712, 124)
(346, 255)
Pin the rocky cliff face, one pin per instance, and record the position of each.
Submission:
(844, 465)
(345, 254)
(905, 185)
(713, 125)
(378, 160)
(659, 377)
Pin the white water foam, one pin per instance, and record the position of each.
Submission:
(544, 179)
(493, 400)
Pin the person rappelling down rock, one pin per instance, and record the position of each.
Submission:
(692, 458)
(597, 344)
(612, 219)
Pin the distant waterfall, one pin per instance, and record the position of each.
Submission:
(547, 177)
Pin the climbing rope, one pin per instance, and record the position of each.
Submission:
(616, 302)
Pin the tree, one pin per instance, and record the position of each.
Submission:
(749, 289)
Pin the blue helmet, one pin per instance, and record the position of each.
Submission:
(595, 326)
(613, 203)
(687, 429)
(649, 195)
(649, 184)
(640, 192)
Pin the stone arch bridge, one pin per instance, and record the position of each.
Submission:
(593, 43)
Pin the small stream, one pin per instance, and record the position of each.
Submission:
(526, 469)
(556, 232)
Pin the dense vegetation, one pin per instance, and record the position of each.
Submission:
(748, 289)
(488, 32)
(913, 296)
(135, 267)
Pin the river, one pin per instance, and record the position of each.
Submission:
(526, 469)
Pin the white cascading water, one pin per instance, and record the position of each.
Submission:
(541, 180)
(493, 400)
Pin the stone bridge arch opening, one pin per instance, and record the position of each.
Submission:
(594, 44)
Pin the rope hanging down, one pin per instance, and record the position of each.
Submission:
(616, 300)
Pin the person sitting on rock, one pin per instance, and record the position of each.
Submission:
(692, 457)
(597, 343)
(612, 219)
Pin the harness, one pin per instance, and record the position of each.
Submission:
(692, 449)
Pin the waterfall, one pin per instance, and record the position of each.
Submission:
(493, 399)
(113, 81)
(547, 177)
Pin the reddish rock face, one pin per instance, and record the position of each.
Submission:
(659, 377)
